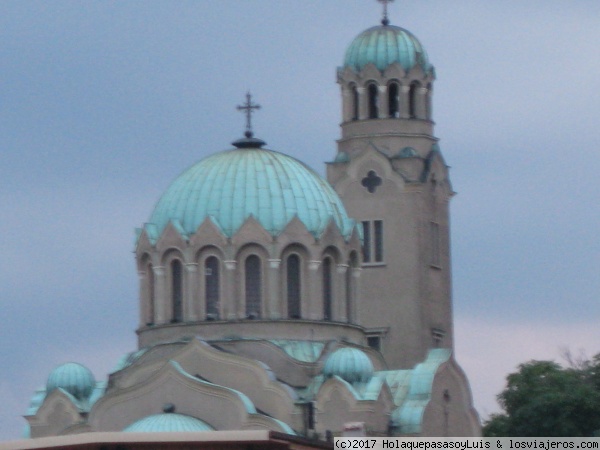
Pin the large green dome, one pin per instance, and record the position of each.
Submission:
(385, 45)
(233, 185)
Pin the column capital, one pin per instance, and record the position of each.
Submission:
(356, 272)
(274, 263)
(230, 264)
(191, 267)
(313, 264)
(158, 270)
(342, 268)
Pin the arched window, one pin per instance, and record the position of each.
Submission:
(394, 100)
(293, 287)
(373, 101)
(253, 287)
(413, 100)
(177, 290)
(150, 281)
(327, 289)
(211, 287)
(354, 92)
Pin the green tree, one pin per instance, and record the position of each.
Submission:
(544, 399)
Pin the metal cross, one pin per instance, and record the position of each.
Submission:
(385, 20)
(249, 108)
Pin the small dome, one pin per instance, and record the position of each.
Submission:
(385, 45)
(350, 364)
(167, 422)
(233, 185)
(74, 378)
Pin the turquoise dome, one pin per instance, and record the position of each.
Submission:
(350, 364)
(168, 422)
(233, 185)
(385, 45)
(74, 378)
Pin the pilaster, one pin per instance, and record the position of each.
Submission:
(273, 303)
(315, 294)
(230, 302)
(161, 295)
(192, 302)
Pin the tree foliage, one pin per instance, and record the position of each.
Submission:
(544, 399)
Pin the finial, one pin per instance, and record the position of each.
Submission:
(385, 21)
(249, 108)
(168, 408)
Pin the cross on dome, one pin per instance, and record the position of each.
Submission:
(385, 21)
(248, 109)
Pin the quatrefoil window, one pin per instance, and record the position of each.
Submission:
(372, 181)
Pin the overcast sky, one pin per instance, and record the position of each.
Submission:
(104, 103)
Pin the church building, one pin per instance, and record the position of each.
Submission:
(273, 299)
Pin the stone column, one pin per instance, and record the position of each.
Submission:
(340, 298)
(144, 298)
(404, 102)
(273, 310)
(363, 103)
(315, 292)
(384, 104)
(229, 301)
(191, 301)
(421, 100)
(429, 104)
(160, 300)
(346, 104)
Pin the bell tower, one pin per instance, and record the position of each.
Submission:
(392, 178)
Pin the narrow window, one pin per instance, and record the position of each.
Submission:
(435, 244)
(354, 103)
(378, 229)
(366, 241)
(293, 286)
(211, 287)
(177, 290)
(373, 101)
(412, 100)
(150, 281)
(327, 289)
(394, 100)
(253, 287)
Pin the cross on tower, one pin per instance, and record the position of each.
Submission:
(385, 21)
(248, 108)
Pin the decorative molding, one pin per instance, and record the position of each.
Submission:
(342, 268)
(314, 264)
(274, 263)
